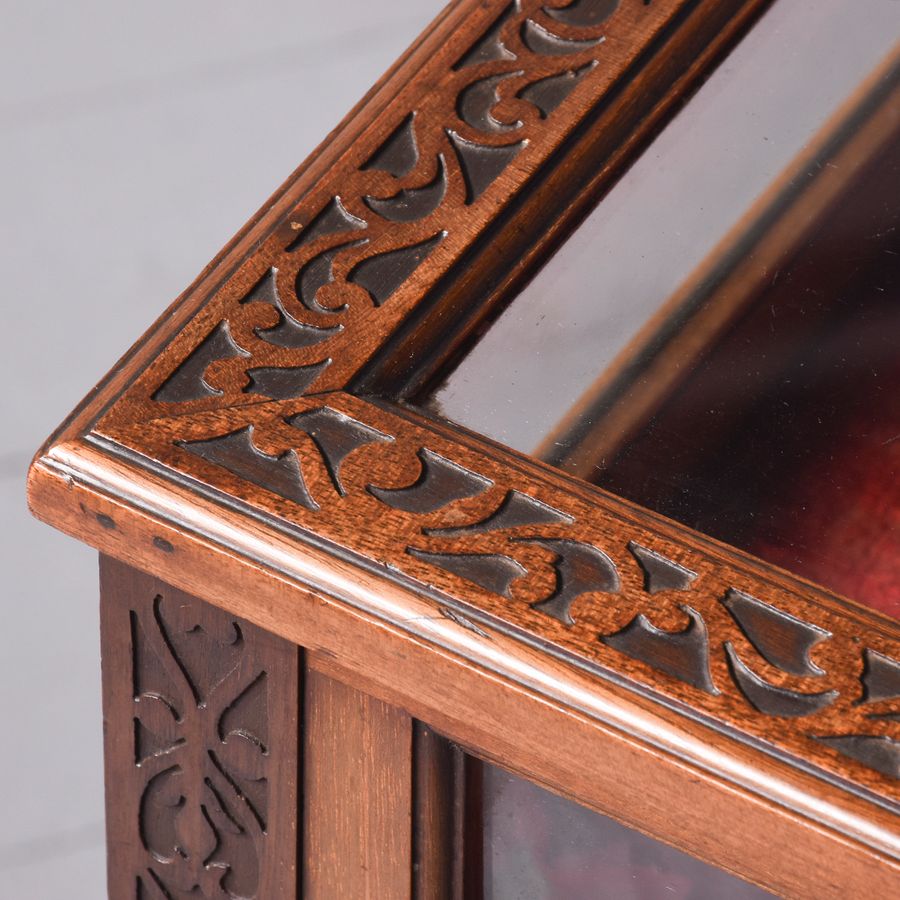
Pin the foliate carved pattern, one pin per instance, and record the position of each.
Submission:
(551, 558)
(319, 294)
(205, 767)
(246, 402)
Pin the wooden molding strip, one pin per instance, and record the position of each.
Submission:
(536, 712)
(530, 616)
(565, 568)
(463, 136)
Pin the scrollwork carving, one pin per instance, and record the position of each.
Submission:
(204, 804)
(212, 748)
(650, 605)
(332, 272)
(247, 402)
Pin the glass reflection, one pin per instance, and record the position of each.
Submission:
(538, 846)
(720, 340)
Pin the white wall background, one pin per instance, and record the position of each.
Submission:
(135, 139)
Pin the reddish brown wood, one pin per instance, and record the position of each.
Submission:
(753, 651)
(463, 144)
(470, 772)
(200, 725)
(357, 778)
(226, 455)
(559, 196)
(797, 835)
(439, 861)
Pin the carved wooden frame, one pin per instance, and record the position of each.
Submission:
(247, 450)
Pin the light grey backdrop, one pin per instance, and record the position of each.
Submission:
(135, 139)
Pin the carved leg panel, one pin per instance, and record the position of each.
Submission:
(201, 718)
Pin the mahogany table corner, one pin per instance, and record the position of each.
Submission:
(328, 614)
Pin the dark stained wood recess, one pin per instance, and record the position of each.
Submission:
(447, 834)
(685, 688)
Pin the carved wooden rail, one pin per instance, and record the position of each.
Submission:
(562, 566)
(534, 618)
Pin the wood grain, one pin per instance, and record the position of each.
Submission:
(563, 567)
(646, 765)
(680, 686)
(560, 195)
(200, 730)
(357, 777)
(441, 859)
(373, 238)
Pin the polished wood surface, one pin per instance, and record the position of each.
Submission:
(497, 541)
(441, 856)
(200, 716)
(683, 687)
(357, 776)
(532, 713)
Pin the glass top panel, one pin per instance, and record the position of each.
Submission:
(720, 339)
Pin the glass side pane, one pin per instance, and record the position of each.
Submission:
(538, 846)
(720, 339)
